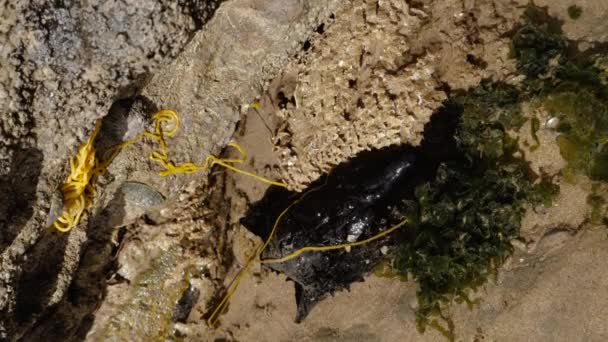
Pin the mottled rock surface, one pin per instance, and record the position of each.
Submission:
(367, 74)
(62, 65)
(375, 76)
(66, 64)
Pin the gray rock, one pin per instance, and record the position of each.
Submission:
(63, 64)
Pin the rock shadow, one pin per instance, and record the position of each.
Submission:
(72, 317)
(18, 190)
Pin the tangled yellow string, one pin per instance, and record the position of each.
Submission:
(79, 190)
(85, 167)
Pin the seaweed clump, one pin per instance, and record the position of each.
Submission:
(468, 214)
(584, 127)
(538, 42)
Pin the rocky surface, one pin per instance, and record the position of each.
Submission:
(62, 65)
(366, 74)
(547, 280)
(377, 73)
(553, 294)
(67, 64)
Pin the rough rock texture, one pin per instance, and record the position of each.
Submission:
(155, 265)
(220, 71)
(223, 69)
(375, 76)
(378, 69)
(62, 64)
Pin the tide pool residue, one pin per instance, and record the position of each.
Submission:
(569, 84)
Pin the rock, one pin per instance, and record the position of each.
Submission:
(62, 64)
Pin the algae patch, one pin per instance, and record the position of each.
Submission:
(584, 127)
(472, 209)
(537, 42)
(597, 212)
(575, 12)
(152, 299)
(569, 84)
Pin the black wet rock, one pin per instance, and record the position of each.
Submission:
(357, 200)
(185, 304)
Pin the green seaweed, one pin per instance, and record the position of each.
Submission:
(597, 205)
(584, 128)
(576, 90)
(468, 214)
(598, 208)
(534, 127)
(536, 43)
(575, 12)
(473, 208)
(545, 191)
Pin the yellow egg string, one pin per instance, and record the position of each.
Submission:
(85, 167)
(334, 247)
(78, 190)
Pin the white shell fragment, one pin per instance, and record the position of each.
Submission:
(552, 123)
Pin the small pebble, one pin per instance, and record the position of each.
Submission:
(384, 250)
(166, 212)
(552, 123)
(519, 245)
(413, 303)
(141, 194)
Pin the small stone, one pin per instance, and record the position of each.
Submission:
(519, 245)
(413, 303)
(552, 123)
(141, 194)
(165, 212)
